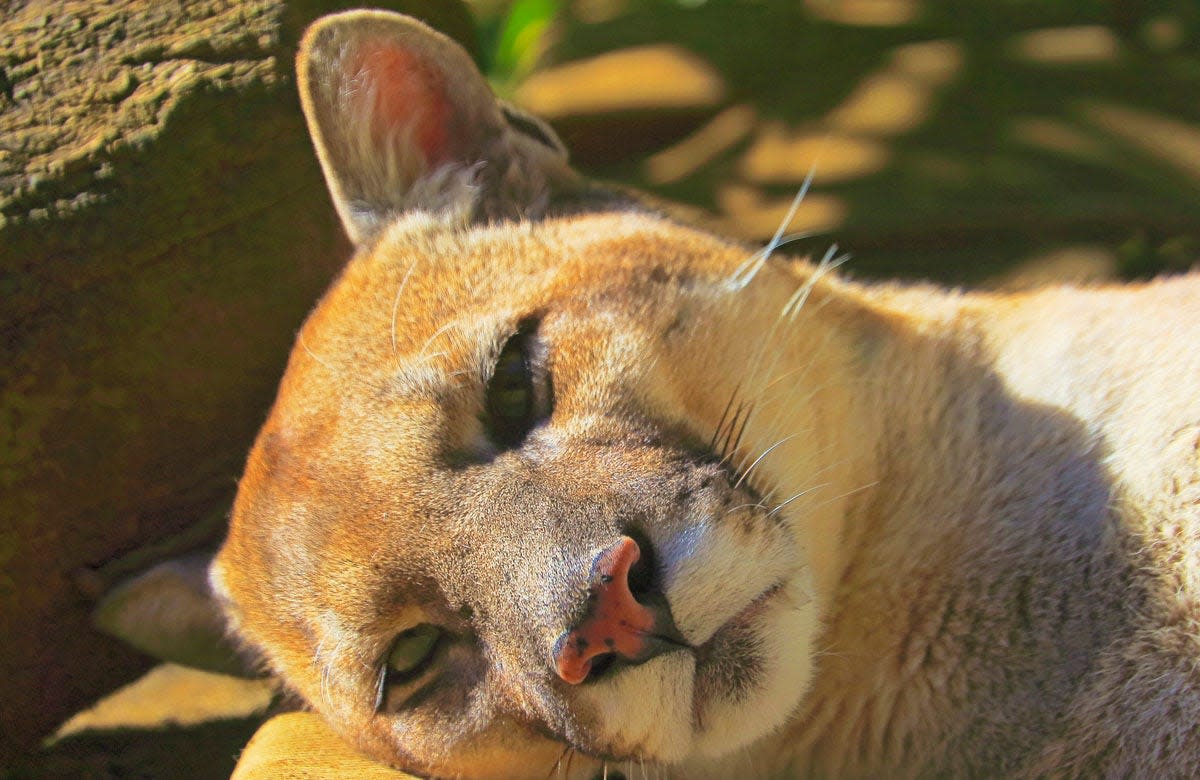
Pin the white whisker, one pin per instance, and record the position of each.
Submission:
(557, 768)
(756, 505)
(791, 309)
(448, 326)
(766, 452)
(396, 304)
(802, 493)
(829, 261)
(311, 354)
(798, 236)
(430, 357)
(746, 272)
(849, 493)
(770, 394)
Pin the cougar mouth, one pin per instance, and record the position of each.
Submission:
(742, 619)
(732, 661)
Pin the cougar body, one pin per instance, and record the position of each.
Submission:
(876, 530)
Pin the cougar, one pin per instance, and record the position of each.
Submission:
(560, 484)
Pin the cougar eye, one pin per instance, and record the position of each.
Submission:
(410, 655)
(511, 405)
(411, 651)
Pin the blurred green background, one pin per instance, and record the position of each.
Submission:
(997, 142)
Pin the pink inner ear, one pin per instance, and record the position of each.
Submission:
(407, 92)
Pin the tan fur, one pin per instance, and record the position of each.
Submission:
(971, 523)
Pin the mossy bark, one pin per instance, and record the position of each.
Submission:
(163, 229)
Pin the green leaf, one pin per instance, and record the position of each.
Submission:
(521, 37)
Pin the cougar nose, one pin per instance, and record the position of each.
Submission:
(617, 625)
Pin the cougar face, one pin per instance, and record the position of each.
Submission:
(487, 459)
(556, 485)
(501, 513)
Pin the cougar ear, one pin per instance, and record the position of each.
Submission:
(402, 120)
(170, 612)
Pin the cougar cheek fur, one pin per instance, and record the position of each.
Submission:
(557, 485)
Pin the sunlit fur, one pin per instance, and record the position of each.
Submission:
(906, 532)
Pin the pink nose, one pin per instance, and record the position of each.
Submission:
(615, 622)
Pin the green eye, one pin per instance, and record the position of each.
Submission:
(510, 393)
(511, 403)
(412, 650)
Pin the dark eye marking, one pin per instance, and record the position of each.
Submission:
(530, 127)
(518, 392)
(411, 654)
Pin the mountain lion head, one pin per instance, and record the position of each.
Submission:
(530, 491)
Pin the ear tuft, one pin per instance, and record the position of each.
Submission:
(393, 91)
(402, 120)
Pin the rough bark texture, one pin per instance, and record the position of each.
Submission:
(163, 229)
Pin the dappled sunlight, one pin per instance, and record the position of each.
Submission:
(1170, 140)
(764, 147)
(660, 76)
(848, 144)
(1080, 264)
(868, 13)
(701, 147)
(1085, 44)
(597, 11)
(170, 695)
(1163, 33)
(892, 101)
(752, 215)
(780, 156)
(897, 98)
(883, 104)
(933, 63)
(1053, 135)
